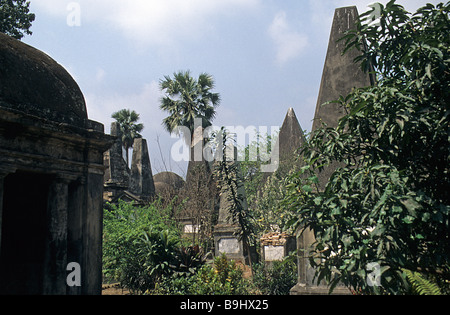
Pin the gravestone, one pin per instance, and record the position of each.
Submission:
(227, 232)
(117, 173)
(275, 246)
(133, 185)
(141, 179)
(199, 190)
(51, 177)
(340, 75)
(290, 139)
(168, 185)
(285, 152)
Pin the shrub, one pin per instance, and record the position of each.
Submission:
(277, 279)
(139, 245)
(222, 278)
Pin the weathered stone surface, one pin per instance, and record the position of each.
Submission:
(275, 246)
(141, 180)
(198, 168)
(33, 82)
(227, 230)
(275, 239)
(291, 138)
(169, 178)
(340, 75)
(229, 246)
(227, 242)
(200, 189)
(168, 185)
(51, 165)
(273, 253)
(117, 172)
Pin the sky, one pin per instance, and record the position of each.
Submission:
(266, 56)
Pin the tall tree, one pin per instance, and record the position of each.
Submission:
(129, 127)
(387, 209)
(187, 99)
(15, 18)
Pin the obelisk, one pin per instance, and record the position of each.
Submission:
(340, 76)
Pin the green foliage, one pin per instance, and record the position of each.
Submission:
(421, 285)
(186, 99)
(229, 183)
(140, 244)
(277, 279)
(15, 18)
(129, 127)
(223, 278)
(388, 201)
(265, 192)
(254, 155)
(150, 256)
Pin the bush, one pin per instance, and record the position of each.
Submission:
(387, 203)
(223, 278)
(277, 279)
(140, 244)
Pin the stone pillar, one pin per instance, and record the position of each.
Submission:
(141, 181)
(340, 75)
(305, 272)
(77, 205)
(3, 174)
(116, 177)
(226, 231)
(92, 235)
(2, 180)
(56, 249)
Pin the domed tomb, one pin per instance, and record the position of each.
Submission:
(169, 178)
(163, 188)
(32, 82)
(51, 178)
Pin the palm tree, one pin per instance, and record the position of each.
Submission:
(129, 128)
(187, 99)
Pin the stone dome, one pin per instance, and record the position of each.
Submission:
(163, 188)
(34, 83)
(170, 179)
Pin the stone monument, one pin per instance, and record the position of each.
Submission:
(340, 75)
(199, 189)
(275, 246)
(227, 232)
(290, 139)
(117, 174)
(130, 185)
(141, 181)
(51, 178)
(168, 184)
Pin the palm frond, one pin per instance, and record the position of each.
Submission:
(186, 99)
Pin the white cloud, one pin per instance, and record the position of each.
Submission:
(322, 11)
(100, 75)
(152, 22)
(289, 43)
(145, 102)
